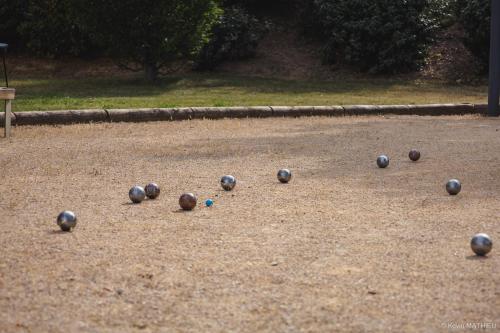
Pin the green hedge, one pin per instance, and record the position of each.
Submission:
(12, 14)
(50, 27)
(475, 18)
(150, 35)
(378, 36)
(234, 37)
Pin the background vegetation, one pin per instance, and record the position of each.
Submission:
(377, 36)
(475, 18)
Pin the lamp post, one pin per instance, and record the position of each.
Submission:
(3, 49)
(494, 88)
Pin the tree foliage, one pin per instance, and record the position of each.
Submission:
(149, 34)
(379, 36)
(234, 37)
(141, 34)
(475, 18)
(12, 14)
(50, 28)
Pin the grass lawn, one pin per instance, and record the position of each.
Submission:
(226, 90)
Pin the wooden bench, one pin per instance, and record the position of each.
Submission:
(7, 94)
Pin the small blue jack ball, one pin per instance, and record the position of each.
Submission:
(209, 203)
(383, 161)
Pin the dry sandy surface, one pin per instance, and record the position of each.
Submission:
(344, 247)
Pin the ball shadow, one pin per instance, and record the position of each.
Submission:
(476, 257)
(58, 232)
(180, 211)
(131, 204)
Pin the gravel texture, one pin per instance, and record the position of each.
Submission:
(345, 246)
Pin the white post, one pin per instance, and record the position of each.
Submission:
(7, 117)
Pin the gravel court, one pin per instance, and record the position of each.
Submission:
(344, 246)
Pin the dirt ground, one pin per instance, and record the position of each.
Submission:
(345, 246)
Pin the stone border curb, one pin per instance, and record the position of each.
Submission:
(173, 114)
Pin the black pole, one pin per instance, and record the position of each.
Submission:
(3, 48)
(5, 70)
(494, 89)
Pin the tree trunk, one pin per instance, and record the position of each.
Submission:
(151, 72)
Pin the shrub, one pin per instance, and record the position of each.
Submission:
(150, 35)
(475, 18)
(11, 14)
(235, 36)
(50, 28)
(445, 12)
(379, 36)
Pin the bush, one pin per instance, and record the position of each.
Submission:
(150, 35)
(475, 18)
(445, 12)
(379, 36)
(50, 28)
(268, 8)
(11, 14)
(234, 37)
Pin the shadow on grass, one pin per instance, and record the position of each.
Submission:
(92, 87)
(210, 89)
(135, 87)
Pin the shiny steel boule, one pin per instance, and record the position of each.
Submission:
(152, 190)
(187, 201)
(284, 175)
(383, 161)
(453, 186)
(66, 220)
(228, 182)
(137, 194)
(414, 155)
(481, 244)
